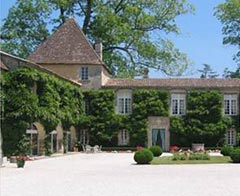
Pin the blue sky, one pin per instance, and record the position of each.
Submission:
(201, 38)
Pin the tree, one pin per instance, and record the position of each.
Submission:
(207, 72)
(132, 32)
(25, 27)
(231, 74)
(229, 15)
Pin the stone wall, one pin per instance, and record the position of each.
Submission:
(73, 72)
(158, 122)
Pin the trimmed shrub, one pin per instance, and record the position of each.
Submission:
(143, 156)
(226, 150)
(235, 155)
(199, 156)
(179, 156)
(156, 150)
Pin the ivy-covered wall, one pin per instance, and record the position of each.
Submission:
(204, 121)
(146, 103)
(33, 96)
(30, 95)
(103, 122)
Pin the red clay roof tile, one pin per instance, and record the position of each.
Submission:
(174, 83)
(68, 45)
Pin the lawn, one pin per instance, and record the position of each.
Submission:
(213, 159)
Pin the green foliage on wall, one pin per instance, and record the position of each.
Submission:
(99, 117)
(150, 103)
(146, 103)
(30, 96)
(203, 123)
(104, 124)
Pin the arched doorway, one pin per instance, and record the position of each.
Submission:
(33, 134)
(54, 141)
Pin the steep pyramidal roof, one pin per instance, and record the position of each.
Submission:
(68, 45)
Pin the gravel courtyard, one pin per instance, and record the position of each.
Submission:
(115, 174)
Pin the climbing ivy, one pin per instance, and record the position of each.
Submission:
(99, 107)
(146, 103)
(204, 121)
(31, 95)
(104, 124)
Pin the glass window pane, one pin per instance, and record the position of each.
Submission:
(121, 106)
(233, 107)
(182, 107)
(174, 106)
(226, 107)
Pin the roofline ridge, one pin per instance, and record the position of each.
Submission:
(31, 63)
(48, 38)
(85, 37)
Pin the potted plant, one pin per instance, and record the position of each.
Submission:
(23, 148)
(20, 160)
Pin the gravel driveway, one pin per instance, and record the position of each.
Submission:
(115, 174)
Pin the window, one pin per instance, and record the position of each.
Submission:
(123, 137)
(178, 104)
(231, 137)
(85, 106)
(230, 104)
(84, 136)
(34, 88)
(84, 73)
(124, 102)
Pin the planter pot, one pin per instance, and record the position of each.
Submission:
(13, 159)
(197, 147)
(75, 149)
(20, 163)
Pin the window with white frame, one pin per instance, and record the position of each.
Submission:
(178, 104)
(123, 137)
(84, 73)
(84, 136)
(230, 104)
(231, 137)
(124, 102)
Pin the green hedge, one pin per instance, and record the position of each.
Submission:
(156, 150)
(226, 150)
(235, 155)
(143, 156)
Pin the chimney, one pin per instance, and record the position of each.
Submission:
(145, 73)
(98, 48)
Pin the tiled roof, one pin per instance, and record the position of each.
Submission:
(68, 45)
(174, 83)
(11, 62)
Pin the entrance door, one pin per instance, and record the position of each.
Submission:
(34, 144)
(158, 138)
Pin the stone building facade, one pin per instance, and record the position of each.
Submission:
(68, 54)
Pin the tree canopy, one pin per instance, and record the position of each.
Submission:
(207, 72)
(229, 15)
(133, 32)
(231, 74)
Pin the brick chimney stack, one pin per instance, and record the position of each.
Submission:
(98, 48)
(145, 73)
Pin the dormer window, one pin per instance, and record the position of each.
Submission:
(84, 73)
